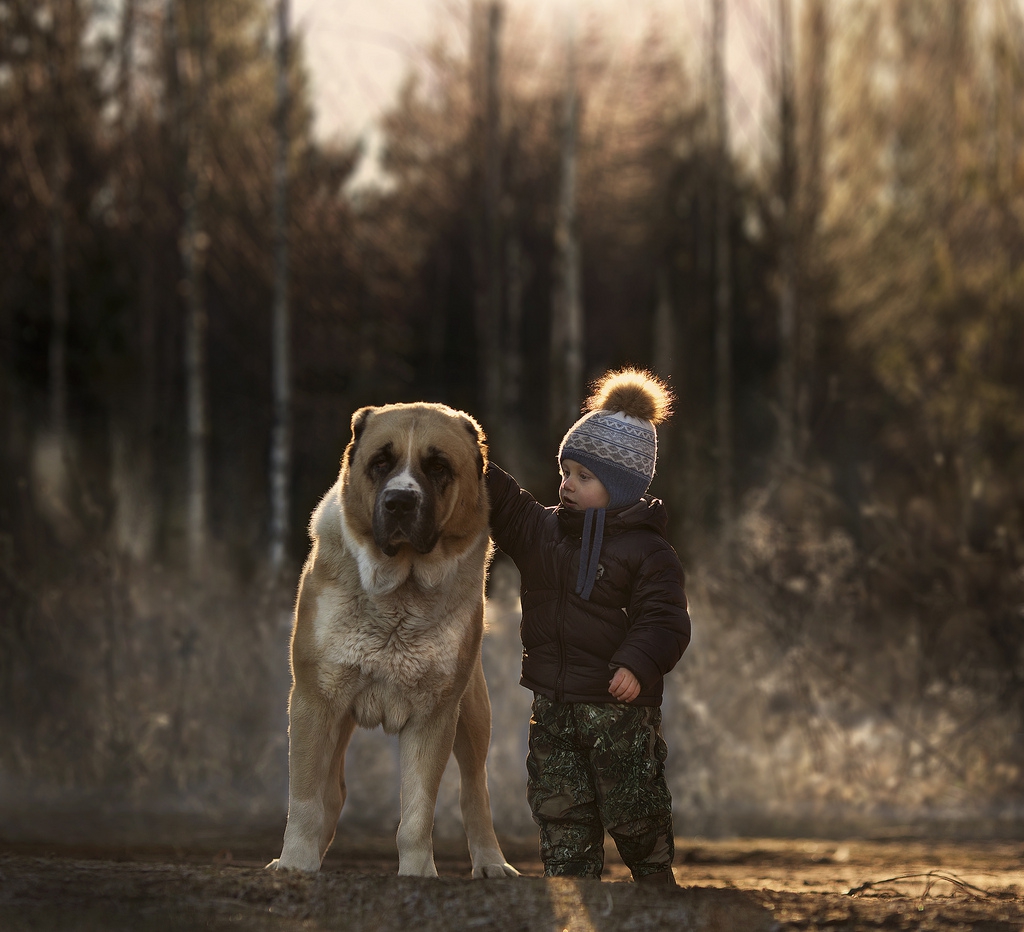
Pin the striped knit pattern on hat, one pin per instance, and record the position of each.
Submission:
(617, 440)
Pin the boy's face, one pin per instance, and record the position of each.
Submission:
(580, 488)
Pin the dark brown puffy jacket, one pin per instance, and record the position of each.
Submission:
(635, 616)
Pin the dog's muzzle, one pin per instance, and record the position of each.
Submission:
(403, 516)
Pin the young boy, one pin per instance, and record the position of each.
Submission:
(604, 619)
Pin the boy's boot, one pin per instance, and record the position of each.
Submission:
(663, 878)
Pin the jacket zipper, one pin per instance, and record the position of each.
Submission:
(563, 596)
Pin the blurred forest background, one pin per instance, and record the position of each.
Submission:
(195, 296)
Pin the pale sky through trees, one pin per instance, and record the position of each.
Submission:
(359, 50)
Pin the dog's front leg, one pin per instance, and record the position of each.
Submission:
(424, 744)
(472, 739)
(317, 739)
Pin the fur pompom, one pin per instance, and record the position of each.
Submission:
(634, 392)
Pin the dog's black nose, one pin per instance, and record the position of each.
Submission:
(400, 501)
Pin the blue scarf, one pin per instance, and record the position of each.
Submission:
(590, 552)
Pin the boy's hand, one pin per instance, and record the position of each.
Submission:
(624, 686)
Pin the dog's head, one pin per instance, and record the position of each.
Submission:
(412, 474)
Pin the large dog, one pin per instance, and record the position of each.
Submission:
(387, 631)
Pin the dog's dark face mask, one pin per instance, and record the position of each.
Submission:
(407, 493)
(415, 468)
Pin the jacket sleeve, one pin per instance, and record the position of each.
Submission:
(659, 630)
(515, 514)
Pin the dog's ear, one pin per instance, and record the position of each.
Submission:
(359, 421)
(477, 433)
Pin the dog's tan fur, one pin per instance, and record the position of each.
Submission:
(395, 640)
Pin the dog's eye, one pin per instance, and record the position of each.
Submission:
(436, 466)
(380, 465)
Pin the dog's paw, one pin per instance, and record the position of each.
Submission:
(279, 864)
(417, 866)
(494, 871)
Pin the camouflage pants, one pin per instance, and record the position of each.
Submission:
(596, 766)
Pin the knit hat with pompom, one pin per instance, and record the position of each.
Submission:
(617, 438)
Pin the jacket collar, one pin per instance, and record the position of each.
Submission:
(647, 513)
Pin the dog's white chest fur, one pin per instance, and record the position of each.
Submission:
(394, 656)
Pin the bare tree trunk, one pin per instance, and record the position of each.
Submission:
(437, 333)
(130, 450)
(567, 316)
(664, 351)
(971, 457)
(50, 464)
(490, 288)
(195, 377)
(193, 246)
(60, 24)
(670, 437)
(366, 360)
(815, 42)
(787, 321)
(133, 418)
(125, 61)
(1007, 70)
(280, 441)
(58, 291)
(512, 357)
(723, 282)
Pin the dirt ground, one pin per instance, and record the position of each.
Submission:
(746, 885)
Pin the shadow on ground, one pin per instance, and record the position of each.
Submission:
(41, 893)
(178, 875)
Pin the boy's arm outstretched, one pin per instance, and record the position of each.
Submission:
(513, 511)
